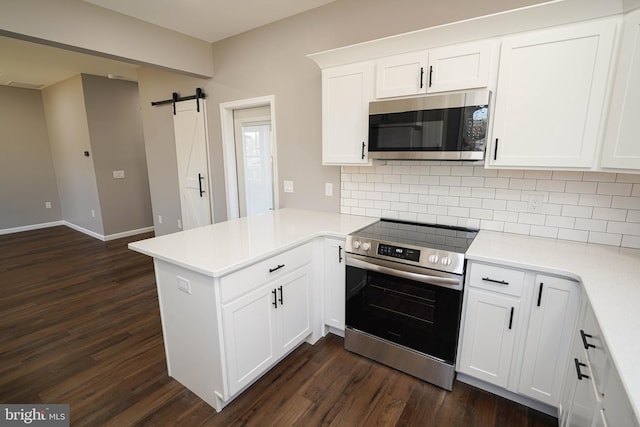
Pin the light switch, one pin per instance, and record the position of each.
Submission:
(328, 189)
(118, 174)
(288, 186)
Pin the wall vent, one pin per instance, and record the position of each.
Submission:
(24, 85)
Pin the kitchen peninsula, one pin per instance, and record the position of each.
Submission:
(227, 290)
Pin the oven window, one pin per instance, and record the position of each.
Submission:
(421, 317)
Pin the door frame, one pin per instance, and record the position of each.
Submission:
(229, 153)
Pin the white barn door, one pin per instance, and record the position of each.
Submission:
(190, 128)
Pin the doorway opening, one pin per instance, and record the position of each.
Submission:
(249, 149)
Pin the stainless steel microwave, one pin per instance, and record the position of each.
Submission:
(438, 127)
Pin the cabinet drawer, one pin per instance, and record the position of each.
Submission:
(497, 279)
(256, 275)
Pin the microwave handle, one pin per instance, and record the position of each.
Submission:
(417, 277)
(363, 146)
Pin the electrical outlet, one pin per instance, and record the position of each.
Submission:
(180, 224)
(184, 285)
(288, 186)
(93, 213)
(159, 219)
(328, 189)
(118, 174)
(47, 205)
(535, 203)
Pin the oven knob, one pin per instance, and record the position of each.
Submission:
(356, 244)
(433, 259)
(366, 246)
(446, 260)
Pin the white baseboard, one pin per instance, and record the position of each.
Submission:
(77, 228)
(127, 233)
(31, 227)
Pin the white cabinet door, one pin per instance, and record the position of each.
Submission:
(249, 337)
(489, 336)
(459, 67)
(448, 68)
(293, 311)
(616, 408)
(334, 283)
(550, 95)
(401, 75)
(622, 142)
(549, 336)
(346, 93)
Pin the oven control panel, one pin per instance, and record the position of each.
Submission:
(399, 252)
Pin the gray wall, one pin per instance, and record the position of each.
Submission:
(69, 137)
(117, 142)
(271, 60)
(26, 168)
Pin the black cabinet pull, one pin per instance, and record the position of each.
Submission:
(275, 299)
(500, 282)
(280, 299)
(271, 270)
(584, 340)
(578, 365)
(495, 152)
(430, 74)
(339, 254)
(511, 318)
(363, 150)
(421, 76)
(540, 294)
(200, 178)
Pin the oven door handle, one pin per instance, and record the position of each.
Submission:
(418, 277)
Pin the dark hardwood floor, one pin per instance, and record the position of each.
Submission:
(80, 324)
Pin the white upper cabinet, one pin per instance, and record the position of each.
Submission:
(622, 141)
(346, 93)
(550, 96)
(448, 68)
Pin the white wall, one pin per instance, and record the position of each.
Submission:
(596, 207)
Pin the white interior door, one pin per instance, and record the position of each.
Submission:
(192, 154)
(254, 160)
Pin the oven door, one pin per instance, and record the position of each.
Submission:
(410, 306)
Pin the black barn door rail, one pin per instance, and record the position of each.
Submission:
(176, 98)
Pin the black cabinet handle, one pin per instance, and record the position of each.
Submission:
(584, 340)
(339, 254)
(500, 282)
(421, 76)
(495, 151)
(578, 365)
(275, 300)
(280, 299)
(363, 145)
(271, 270)
(540, 294)
(511, 318)
(200, 178)
(430, 75)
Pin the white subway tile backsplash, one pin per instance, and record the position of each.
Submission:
(581, 187)
(615, 189)
(595, 200)
(597, 207)
(605, 238)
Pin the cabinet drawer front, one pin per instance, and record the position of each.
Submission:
(497, 279)
(254, 276)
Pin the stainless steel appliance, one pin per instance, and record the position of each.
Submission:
(404, 296)
(442, 127)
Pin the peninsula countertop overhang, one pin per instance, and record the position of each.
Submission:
(222, 248)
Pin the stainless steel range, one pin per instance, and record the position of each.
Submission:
(404, 296)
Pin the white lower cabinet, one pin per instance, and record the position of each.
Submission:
(334, 283)
(593, 393)
(263, 325)
(517, 328)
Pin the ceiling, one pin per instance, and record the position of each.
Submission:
(31, 65)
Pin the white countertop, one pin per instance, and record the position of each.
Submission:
(610, 277)
(218, 249)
